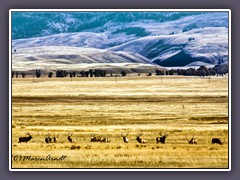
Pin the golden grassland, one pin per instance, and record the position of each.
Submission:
(181, 106)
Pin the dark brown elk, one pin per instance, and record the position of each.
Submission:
(125, 138)
(48, 139)
(140, 139)
(97, 138)
(55, 137)
(93, 139)
(25, 139)
(192, 140)
(217, 141)
(105, 140)
(69, 138)
(162, 138)
(100, 139)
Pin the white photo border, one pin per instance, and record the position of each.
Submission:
(120, 10)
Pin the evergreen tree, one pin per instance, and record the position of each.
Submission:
(23, 74)
(123, 73)
(38, 73)
(50, 74)
(74, 74)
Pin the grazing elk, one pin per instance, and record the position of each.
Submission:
(99, 139)
(192, 140)
(125, 139)
(93, 139)
(48, 139)
(96, 138)
(69, 138)
(105, 140)
(25, 139)
(141, 140)
(55, 138)
(217, 141)
(162, 138)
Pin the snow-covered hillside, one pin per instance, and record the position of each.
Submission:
(81, 39)
(163, 38)
(204, 44)
(37, 24)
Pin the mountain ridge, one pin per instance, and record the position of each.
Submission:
(166, 39)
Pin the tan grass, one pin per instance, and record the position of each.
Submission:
(181, 106)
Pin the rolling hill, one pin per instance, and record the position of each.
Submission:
(77, 58)
(158, 38)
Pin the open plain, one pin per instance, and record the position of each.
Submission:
(179, 106)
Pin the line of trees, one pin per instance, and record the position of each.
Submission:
(63, 73)
(201, 71)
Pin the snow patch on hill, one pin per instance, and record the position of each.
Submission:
(205, 44)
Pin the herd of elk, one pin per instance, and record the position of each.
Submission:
(94, 138)
(49, 139)
(140, 139)
(99, 139)
(25, 139)
(105, 139)
(160, 139)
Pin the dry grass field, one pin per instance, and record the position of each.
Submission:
(182, 107)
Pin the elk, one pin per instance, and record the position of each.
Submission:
(48, 139)
(217, 141)
(25, 139)
(93, 139)
(192, 140)
(125, 139)
(55, 138)
(100, 139)
(105, 139)
(141, 140)
(97, 138)
(69, 138)
(162, 138)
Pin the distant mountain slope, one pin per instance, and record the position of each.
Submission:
(122, 28)
(54, 56)
(82, 39)
(36, 24)
(163, 38)
(205, 45)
